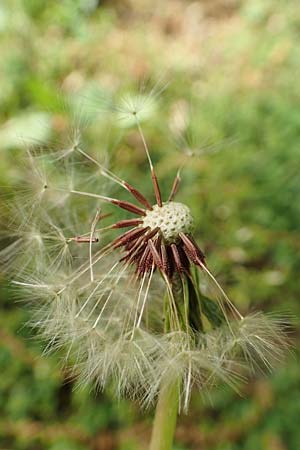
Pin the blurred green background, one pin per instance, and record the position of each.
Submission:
(233, 99)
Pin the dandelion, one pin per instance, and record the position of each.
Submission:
(129, 309)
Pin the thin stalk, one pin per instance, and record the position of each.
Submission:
(165, 417)
(176, 306)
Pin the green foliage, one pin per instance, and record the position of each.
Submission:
(234, 101)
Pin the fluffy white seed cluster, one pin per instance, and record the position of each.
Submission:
(172, 218)
(109, 321)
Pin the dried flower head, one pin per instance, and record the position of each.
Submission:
(128, 309)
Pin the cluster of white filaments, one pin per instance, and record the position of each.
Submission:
(128, 308)
(172, 218)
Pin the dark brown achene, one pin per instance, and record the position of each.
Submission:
(160, 238)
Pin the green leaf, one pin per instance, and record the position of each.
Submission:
(212, 311)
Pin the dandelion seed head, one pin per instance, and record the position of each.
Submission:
(128, 308)
(172, 218)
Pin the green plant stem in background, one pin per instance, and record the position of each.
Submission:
(165, 417)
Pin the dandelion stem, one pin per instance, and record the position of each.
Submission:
(165, 417)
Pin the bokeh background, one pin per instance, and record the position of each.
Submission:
(232, 97)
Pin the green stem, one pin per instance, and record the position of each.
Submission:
(165, 417)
